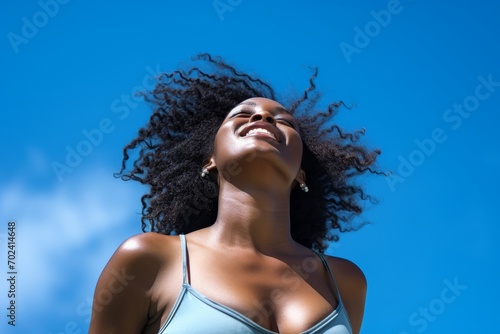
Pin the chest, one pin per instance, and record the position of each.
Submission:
(277, 296)
(196, 314)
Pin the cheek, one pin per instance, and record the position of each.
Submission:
(225, 143)
(295, 148)
(297, 160)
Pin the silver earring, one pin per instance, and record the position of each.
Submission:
(204, 172)
(304, 187)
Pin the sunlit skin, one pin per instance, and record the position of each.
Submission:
(247, 260)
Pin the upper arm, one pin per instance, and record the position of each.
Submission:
(122, 295)
(352, 286)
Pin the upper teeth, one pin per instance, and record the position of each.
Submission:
(261, 131)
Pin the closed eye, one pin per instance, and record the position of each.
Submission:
(286, 122)
(242, 113)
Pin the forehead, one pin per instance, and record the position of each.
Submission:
(263, 103)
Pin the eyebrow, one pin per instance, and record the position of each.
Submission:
(251, 103)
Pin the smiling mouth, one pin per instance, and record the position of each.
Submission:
(260, 132)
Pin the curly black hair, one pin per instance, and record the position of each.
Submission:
(189, 107)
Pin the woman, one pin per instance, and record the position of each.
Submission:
(244, 196)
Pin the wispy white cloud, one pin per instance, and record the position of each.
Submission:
(67, 231)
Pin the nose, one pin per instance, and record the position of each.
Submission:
(263, 115)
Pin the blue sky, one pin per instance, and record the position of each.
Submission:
(426, 80)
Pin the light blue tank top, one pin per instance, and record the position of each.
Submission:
(194, 313)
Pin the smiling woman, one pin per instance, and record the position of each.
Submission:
(245, 195)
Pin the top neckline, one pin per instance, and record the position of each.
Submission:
(226, 309)
(186, 286)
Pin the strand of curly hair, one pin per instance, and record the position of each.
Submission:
(190, 105)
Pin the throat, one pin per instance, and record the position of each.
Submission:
(258, 220)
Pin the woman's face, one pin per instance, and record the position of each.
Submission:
(260, 133)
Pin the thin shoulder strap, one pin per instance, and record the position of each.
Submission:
(325, 263)
(184, 258)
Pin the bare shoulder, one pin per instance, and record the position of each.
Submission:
(144, 254)
(122, 295)
(147, 246)
(352, 286)
(346, 270)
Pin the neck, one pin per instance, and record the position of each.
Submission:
(253, 218)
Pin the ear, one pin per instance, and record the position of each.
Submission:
(301, 176)
(211, 166)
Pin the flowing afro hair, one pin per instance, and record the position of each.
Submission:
(189, 105)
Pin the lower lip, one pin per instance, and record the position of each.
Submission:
(261, 135)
